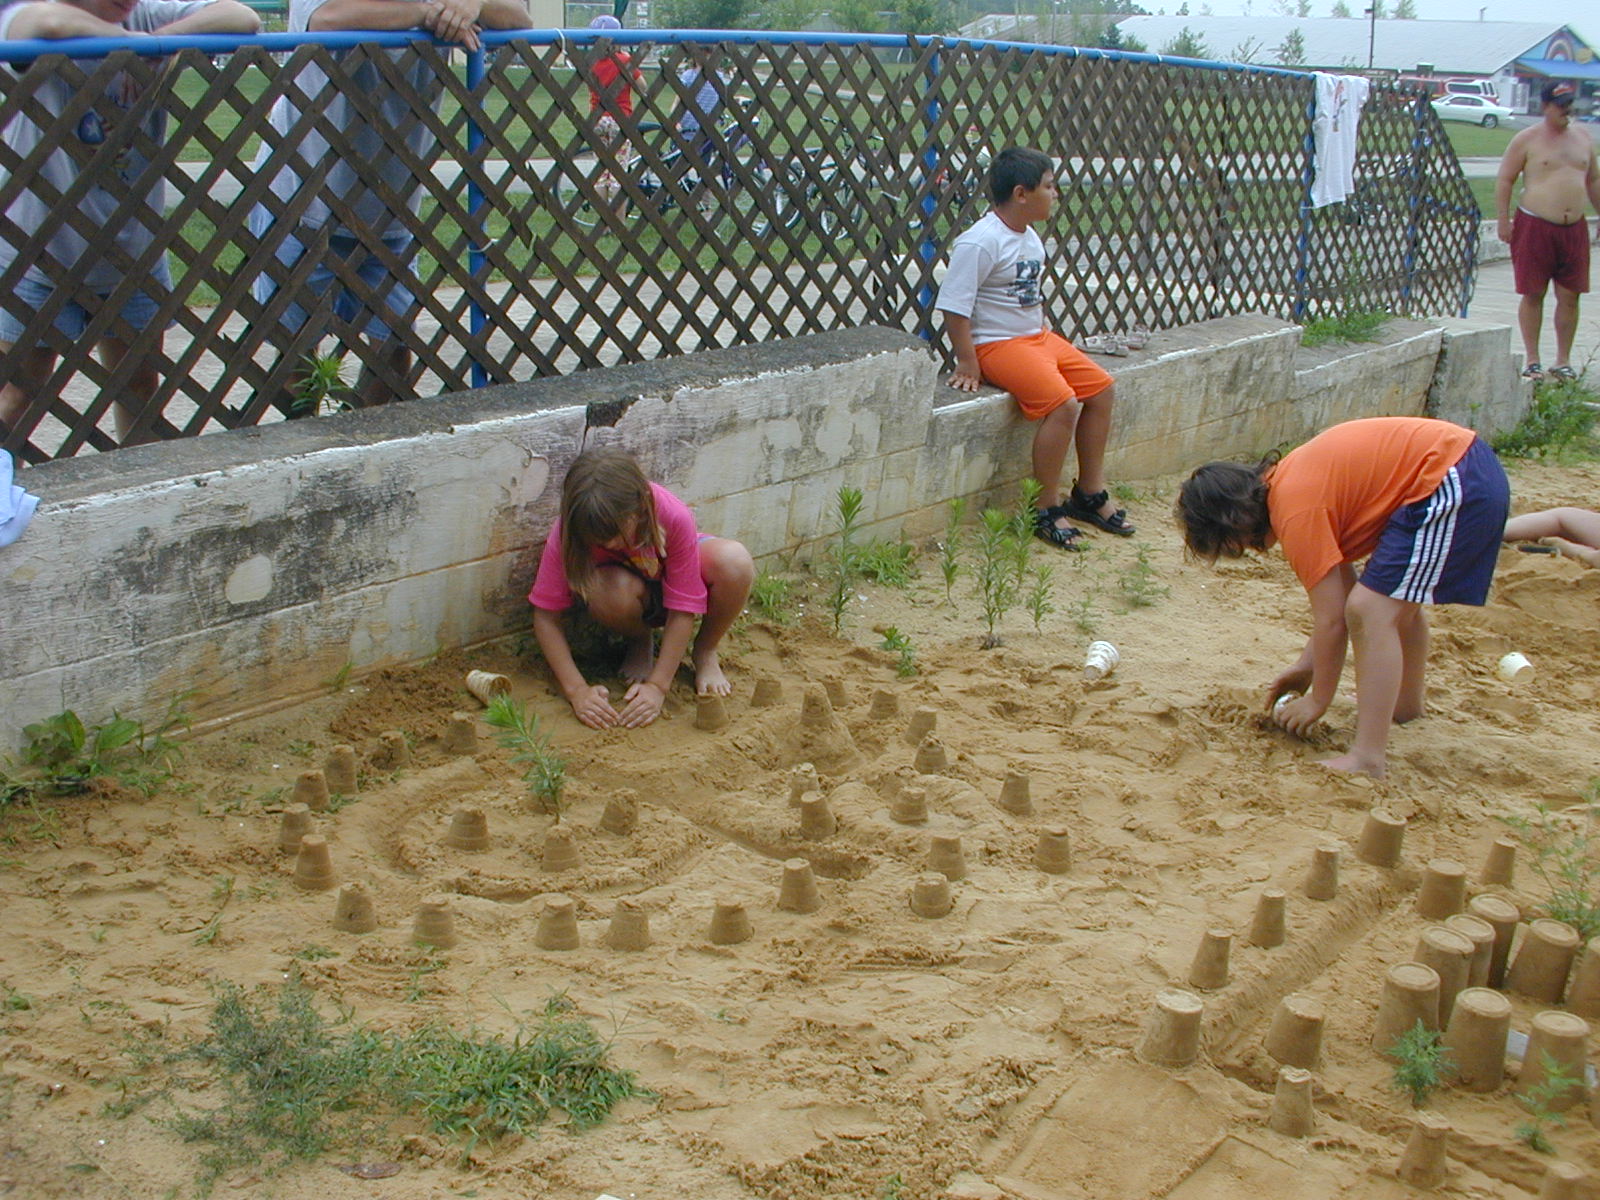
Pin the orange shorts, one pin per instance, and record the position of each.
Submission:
(1043, 372)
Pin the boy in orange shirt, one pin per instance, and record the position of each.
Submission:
(1427, 500)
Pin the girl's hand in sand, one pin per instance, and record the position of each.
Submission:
(1296, 679)
(592, 706)
(1298, 715)
(641, 705)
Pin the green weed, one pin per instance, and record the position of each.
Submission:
(899, 644)
(221, 894)
(323, 387)
(997, 577)
(1084, 618)
(848, 512)
(313, 953)
(950, 547)
(772, 596)
(62, 755)
(1560, 424)
(1539, 1101)
(889, 563)
(336, 681)
(1421, 1062)
(1359, 326)
(1140, 584)
(893, 1188)
(518, 731)
(1563, 856)
(1038, 602)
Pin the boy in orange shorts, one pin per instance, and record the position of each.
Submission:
(994, 315)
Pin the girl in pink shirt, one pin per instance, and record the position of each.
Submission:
(629, 551)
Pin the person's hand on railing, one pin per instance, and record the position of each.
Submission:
(453, 21)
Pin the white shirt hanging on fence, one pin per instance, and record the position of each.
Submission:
(16, 504)
(1339, 102)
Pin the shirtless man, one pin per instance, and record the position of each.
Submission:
(1550, 237)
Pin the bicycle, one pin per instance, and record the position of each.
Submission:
(593, 195)
(833, 188)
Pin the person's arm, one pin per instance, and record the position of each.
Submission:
(1511, 166)
(1326, 649)
(220, 16)
(504, 14)
(1591, 183)
(591, 703)
(51, 22)
(642, 702)
(967, 377)
(448, 20)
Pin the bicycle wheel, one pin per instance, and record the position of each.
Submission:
(789, 195)
(745, 176)
(580, 188)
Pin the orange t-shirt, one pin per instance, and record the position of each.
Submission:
(1329, 499)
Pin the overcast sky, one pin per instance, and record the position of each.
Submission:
(1557, 12)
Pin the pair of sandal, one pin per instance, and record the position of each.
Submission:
(1080, 506)
(1537, 373)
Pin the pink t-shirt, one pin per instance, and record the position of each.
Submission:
(682, 588)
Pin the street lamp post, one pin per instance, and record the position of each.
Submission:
(1372, 31)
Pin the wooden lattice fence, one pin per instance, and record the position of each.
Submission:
(818, 197)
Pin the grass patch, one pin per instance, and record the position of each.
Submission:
(1560, 423)
(891, 563)
(286, 1082)
(772, 598)
(1360, 326)
(64, 756)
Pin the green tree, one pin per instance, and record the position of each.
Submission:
(1405, 10)
(926, 16)
(857, 16)
(1341, 10)
(1114, 39)
(1291, 52)
(1187, 44)
(790, 14)
(1245, 51)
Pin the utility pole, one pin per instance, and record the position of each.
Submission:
(1372, 32)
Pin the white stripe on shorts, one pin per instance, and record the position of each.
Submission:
(1431, 549)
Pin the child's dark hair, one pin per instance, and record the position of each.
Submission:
(1016, 167)
(1223, 509)
(603, 492)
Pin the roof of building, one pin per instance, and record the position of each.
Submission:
(1451, 47)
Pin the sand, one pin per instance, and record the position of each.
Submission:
(987, 1052)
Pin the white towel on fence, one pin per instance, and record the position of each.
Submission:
(16, 505)
(1339, 102)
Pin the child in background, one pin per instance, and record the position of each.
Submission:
(615, 77)
(1426, 499)
(994, 313)
(629, 551)
(1575, 532)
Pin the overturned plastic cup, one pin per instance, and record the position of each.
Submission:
(1102, 658)
(1515, 668)
(486, 685)
(1283, 702)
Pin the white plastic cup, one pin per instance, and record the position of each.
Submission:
(1100, 661)
(1283, 702)
(486, 685)
(1515, 668)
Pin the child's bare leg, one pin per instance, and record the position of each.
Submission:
(1574, 524)
(616, 600)
(1411, 703)
(729, 572)
(1094, 430)
(1375, 624)
(1051, 441)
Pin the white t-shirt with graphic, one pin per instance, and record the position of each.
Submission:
(994, 278)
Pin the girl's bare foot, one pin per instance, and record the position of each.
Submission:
(640, 659)
(1355, 764)
(1584, 554)
(708, 677)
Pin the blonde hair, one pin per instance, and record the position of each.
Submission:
(603, 492)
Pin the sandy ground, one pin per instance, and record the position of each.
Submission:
(987, 1052)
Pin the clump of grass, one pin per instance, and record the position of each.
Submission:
(889, 563)
(847, 508)
(1561, 422)
(290, 1083)
(1421, 1062)
(1363, 325)
(772, 596)
(899, 644)
(518, 731)
(62, 755)
(1564, 857)
(322, 385)
(1540, 1101)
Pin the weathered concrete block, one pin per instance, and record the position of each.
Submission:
(1389, 376)
(1477, 382)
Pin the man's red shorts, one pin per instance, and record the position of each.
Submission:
(1542, 250)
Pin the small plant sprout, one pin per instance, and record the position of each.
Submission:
(322, 385)
(1564, 853)
(1140, 585)
(1421, 1062)
(221, 895)
(950, 547)
(848, 509)
(997, 579)
(1022, 528)
(1038, 598)
(1540, 1101)
(517, 730)
(898, 643)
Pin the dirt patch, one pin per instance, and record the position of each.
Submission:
(988, 1051)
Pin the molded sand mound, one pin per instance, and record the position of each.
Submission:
(982, 1044)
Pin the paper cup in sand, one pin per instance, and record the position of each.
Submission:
(1100, 661)
(1515, 668)
(486, 685)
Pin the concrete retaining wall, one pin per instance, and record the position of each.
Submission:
(247, 568)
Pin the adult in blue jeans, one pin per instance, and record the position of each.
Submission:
(369, 186)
